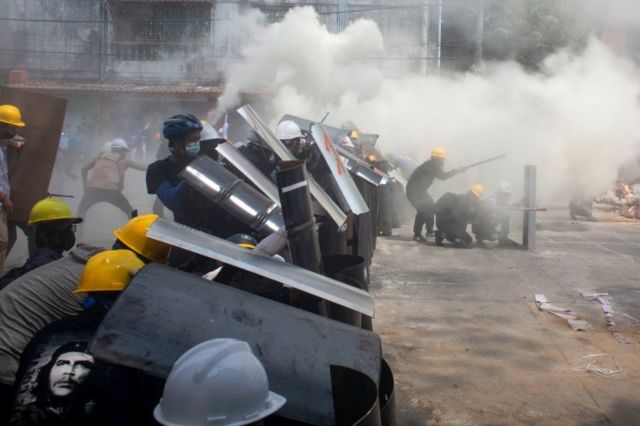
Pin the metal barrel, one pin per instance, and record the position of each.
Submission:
(234, 195)
(387, 395)
(355, 398)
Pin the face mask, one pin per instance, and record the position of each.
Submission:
(192, 149)
(67, 240)
(8, 133)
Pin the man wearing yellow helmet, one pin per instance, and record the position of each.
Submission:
(10, 121)
(74, 387)
(454, 212)
(54, 226)
(46, 294)
(417, 190)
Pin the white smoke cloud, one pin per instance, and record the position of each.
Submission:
(578, 119)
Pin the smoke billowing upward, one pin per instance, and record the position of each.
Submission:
(577, 119)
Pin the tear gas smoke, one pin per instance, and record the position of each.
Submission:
(578, 119)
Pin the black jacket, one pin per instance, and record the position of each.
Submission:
(455, 211)
(422, 178)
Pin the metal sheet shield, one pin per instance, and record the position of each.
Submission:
(233, 156)
(164, 312)
(356, 203)
(251, 116)
(285, 273)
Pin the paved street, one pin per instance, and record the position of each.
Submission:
(469, 347)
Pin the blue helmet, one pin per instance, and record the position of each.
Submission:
(180, 124)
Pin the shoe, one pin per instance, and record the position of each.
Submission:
(419, 238)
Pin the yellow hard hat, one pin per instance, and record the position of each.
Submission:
(109, 270)
(134, 235)
(49, 210)
(10, 114)
(354, 134)
(477, 190)
(439, 153)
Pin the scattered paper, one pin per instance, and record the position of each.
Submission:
(576, 324)
(619, 324)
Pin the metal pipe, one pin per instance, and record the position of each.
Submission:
(295, 198)
(529, 219)
(439, 47)
(293, 188)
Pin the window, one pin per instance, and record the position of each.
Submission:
(148, 30)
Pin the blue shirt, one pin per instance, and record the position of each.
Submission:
(4, 172)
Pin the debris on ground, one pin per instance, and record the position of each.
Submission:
(572, 319)
(619, 324)
(624, 198)
(603, 365)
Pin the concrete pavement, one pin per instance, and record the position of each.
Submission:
(469, 347)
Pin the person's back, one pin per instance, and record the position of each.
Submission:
(106, 172)
(422, 178)
(34, 300)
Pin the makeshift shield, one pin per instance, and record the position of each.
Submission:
(353, 197)
(44, 117)
(233, 156)
(233, 194)
(251, 116)
(163, 312)
(293, 276)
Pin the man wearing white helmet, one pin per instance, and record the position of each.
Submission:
(103, 178)
(209, 140)
(218, 382)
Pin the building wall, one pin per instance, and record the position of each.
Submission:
(53, 38)
(176, 42)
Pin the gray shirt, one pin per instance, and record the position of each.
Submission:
(35, 300)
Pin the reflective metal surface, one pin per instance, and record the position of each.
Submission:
(356, 165)
(233, 194)
(163, 312)
(361, 169)
(348, 188)
(293, 276)
(332, 209)
(247, 168)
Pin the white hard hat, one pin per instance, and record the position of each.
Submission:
(288, 130)
(504, 188)
(119, 144)
(218, 382)
(346, 142)
(208, 132)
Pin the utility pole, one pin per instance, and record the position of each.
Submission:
(343, 15)
(439, 47)
(479, 32)
(424, 39)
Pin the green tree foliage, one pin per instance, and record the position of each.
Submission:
(527, 31)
